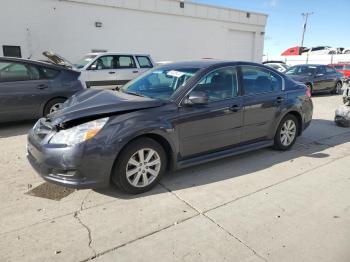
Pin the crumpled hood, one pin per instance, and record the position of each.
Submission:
(300, 78)
(95, 103)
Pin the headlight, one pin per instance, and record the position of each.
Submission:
(79, 134)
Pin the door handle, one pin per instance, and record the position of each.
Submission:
(279, 100)
(135, 72)
(111, 73)
(235, 108)
(42, 86)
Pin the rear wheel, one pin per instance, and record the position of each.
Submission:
(53, 106)
(140, 166)
(287, 133)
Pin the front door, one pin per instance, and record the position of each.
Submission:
(217, 125)
(262, 98)
(102, 74)
(22, 91)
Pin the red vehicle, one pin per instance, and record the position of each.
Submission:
(297, 50)
(342, 68)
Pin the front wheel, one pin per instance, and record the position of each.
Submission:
(140, 166)
(287, 133)
(337, 88)
(53, 106)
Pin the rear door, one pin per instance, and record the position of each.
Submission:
(262, 99)
(126, 69)
(320, 79)
(331, 77)
(23, 90)
(102, 73)
(217, 125)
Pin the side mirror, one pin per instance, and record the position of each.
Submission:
(197, 98)
(93, 67)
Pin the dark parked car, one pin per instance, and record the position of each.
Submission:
(174, 116)
(31, 89)
(318, 78)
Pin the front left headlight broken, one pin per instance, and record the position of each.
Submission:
(79, 134)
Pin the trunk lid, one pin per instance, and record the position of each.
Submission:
(58, 60)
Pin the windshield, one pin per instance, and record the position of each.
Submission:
(160, 83)
(84, 61)
(301, 70)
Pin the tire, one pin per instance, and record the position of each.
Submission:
(53, 105)
(279, 142)
(337, 88)
(141, 179)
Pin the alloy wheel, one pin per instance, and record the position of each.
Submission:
(288, 132)
(54, 108)
(143, 167)
(338, 87)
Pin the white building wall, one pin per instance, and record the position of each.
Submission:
(157, 27)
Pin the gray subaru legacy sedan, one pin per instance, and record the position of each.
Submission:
(171, 117)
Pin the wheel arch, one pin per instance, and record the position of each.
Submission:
(161, 140)
(296, 114)
(43, 107)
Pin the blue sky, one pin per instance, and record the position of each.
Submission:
(329, 25)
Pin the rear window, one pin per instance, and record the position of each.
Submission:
(144, 62)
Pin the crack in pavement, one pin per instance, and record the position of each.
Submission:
(76, 216)
(277, 183)
(139, 238)
(232, 235)
(212, 221)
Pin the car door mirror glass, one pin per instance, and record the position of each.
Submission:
(93, 67)
(196, 98)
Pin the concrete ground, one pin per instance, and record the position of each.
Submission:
(260, 206)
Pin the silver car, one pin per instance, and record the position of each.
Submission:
(107, 70)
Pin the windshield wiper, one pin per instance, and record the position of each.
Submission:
(134, 93)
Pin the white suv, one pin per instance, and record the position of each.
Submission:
(107, 70)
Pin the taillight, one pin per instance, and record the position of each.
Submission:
(308, 91)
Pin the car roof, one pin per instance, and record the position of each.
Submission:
(207, 63)
(116, 53)
(33, 62)
(313, 65)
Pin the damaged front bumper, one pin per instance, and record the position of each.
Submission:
(80, 166)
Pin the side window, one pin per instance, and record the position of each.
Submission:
(144, 62)
(258, 80)
(219, 85)
(122, 62)
(103, 62)
(11, 72)
(330, 70)
(48, 73)
(321, 70)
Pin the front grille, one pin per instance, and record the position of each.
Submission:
(42, 128)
